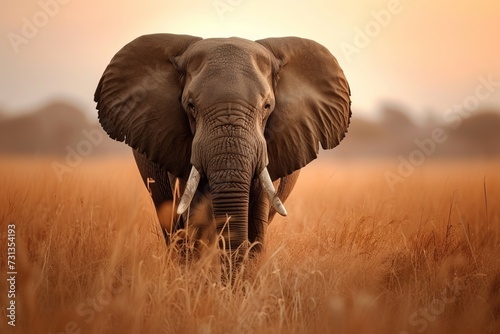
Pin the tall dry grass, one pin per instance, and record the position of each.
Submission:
(351, 257)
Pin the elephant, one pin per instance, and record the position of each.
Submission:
(230, 121)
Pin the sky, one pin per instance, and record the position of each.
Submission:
(426, 56)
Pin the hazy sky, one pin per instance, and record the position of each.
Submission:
(427, 55)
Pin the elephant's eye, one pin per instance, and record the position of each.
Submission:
(191, 106)
(267, 106)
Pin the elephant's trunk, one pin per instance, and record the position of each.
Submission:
(230, 153)
(230, 197)
(230, 203)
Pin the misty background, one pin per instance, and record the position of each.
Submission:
(60, 128)
(414, 67)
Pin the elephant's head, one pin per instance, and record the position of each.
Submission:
(225, 111)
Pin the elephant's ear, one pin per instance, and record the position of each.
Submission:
(313, 104)
(138, 98)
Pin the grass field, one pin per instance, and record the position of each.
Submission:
(351, 257)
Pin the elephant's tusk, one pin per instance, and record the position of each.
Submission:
(191, 185)
(267, 184)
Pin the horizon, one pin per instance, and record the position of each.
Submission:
(61, 127)
(376, 115)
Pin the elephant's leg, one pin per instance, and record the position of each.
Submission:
(161, 189)
(261, 212)
(285, 187)
(257, 216)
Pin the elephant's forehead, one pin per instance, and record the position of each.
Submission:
(221, 51)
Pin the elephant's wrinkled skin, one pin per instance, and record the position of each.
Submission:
(230, 110)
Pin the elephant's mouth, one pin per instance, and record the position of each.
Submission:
(265, 181)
